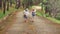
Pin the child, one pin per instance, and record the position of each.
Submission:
(26, 14)
(33, 14)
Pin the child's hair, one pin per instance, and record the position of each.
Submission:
(25, 10)
(32, 9)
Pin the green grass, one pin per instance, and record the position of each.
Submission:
(38, 13)
(50, 18)
(53, 19)
(6, 13)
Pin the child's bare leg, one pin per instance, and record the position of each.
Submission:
(33, 19)
(24, 20)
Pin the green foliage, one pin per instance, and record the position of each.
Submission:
(54, 7)
(58, 18)
(54, 20)
(7, 12)
(47, 15)
(13, 1)
(39, 13)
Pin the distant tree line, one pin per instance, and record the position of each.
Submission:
(8, 3)
(18, 3)
(53, 8)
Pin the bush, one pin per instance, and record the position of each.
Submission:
(58, 17)
(47, 15)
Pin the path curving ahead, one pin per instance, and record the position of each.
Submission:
(40, 26)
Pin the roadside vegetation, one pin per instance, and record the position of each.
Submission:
(49, 9)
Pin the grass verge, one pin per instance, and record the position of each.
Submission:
(53, 19)
(6, 13)
(50, 18)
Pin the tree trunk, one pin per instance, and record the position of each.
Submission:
(10, 2)
(8, 5)
(17, 4)
(4, 6)
(0, 3)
